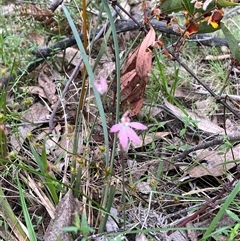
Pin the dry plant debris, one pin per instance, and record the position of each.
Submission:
(135, 74)
(63, 218)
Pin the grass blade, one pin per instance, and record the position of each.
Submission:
(220, 213)
(11, 219)
(30, 228)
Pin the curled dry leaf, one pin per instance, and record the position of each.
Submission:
(125, 79)
(136, 105)
(144, 58)
(131, 61)
(104, 69)
(37, 13)
(204, 124)
(135, 75)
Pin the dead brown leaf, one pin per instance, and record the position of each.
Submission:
(63, 218)
(71, 56)
(215, 165)
(136, 106)
(36, 12)
(104, 68)
(131, 61)
(36, 112)
(137, 93)
(49, 87)
(37, 38)
(135, 75)
(34, 90)
(144, 58)
(203, 123)
(125, 80)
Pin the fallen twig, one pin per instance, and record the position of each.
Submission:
(218, 140)
(222, 96)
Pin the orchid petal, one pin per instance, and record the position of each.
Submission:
(132, 135)
(123, 137)
(104, 84)
(198, 5)
(126, 114)
(137, 125)
(116, 127)
(101, 85)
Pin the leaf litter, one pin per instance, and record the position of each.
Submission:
(37, 112)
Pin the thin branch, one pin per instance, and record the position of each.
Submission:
(216, 141)
(222, 96)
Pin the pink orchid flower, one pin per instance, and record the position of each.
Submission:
(101, 85)
(125, 131)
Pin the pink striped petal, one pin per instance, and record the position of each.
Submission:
(123, 137)
(101, 85)
(116, 127)
(137, 125)
(132, 135)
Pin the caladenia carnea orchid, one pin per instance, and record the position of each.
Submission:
(124, 128)
(101, 85)
(125, 131)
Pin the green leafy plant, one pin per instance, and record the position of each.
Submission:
(31, 232)
(80, 226)
(222, 210)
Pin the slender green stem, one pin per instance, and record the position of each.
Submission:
(11, 219)
(109, 191)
